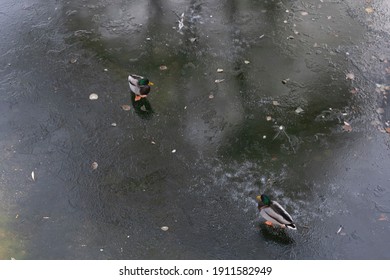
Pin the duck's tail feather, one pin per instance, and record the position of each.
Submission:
(292, 226)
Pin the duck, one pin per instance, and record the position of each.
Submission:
(139, 85)
(274, 213)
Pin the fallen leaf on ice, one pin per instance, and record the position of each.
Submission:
(33, 176)
(382, 88)
(387, 129)
(173, 151)
(154, 143)
(354, 90)
(369, 10)
(247, 61)
(211, 96)
(219, 81)
(268, 118)
(219, 70)
(163, 67)
(304, 13)
(94, 165)
(73, 60)
(347, 127)
(125, 107)
(113, 124)
(299, 110)
(93, 96)
(164, 228)
(275, 103)
(350, 76)
(380, 110)
(383, 217)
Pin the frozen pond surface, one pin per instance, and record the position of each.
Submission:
(299, 112)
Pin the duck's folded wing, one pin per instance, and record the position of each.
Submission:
(277, 212)
(270, 215)
(133, 79)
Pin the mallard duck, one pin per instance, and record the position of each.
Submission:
(139, 85)
(273, 212)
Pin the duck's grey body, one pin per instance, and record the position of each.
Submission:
(134, 84)
(273, 212)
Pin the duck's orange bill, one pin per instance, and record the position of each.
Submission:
(151, 84)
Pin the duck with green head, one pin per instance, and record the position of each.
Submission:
(274, 213)
(139, 85)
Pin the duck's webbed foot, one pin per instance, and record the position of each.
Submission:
(268, 223)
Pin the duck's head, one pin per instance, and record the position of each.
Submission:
(145, 82)
(264, 199)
